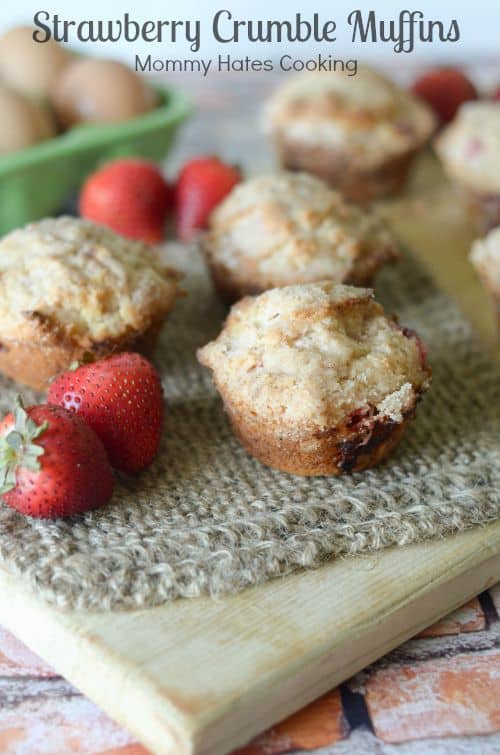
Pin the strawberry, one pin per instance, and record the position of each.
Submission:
(121, 398)
(496, 94)
(51, 463)
(202, 184)
(131, 197)
(445, 89)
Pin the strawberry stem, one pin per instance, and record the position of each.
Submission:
(17, 449)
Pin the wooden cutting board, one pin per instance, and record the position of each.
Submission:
(205, 676)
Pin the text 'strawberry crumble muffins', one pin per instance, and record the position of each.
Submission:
(284, 228)
(485, 256)
(316, 379)
(71, 290)
(469, 149)
(360, 133)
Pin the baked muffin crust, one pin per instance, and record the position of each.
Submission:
(485, 256)
(68, 286)
(284, 228)
(470, 147)
(316, 378)
(366, 117)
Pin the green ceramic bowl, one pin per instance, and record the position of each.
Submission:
(36, 181)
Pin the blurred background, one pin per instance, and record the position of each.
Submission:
(479, 24)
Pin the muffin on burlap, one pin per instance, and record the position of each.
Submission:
(469, 149)
(485, 256)
(72, 290)
(285, 228)
(316, 379)
(360, 133)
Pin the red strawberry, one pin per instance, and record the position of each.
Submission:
(496, 94)
(121, 398)
(131, 197)
(51, 463)
(202, 184)
(445, 89)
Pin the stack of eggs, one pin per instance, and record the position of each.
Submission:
(45, 89)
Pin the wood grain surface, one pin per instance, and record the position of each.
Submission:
(205, 676)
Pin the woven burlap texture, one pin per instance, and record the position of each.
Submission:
(207, 518)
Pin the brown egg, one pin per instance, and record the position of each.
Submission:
(23, 122)
(100, 91)
(30, 67)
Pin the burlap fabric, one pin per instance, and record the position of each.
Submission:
(207, 518)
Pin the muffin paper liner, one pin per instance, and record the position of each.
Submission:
(208, 518)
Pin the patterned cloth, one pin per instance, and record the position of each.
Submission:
(208, 518)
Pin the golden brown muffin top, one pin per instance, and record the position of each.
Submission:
(485, 256)
(365, 116)
(470, 147)
(309, 355)
(284, 228)
(80, 279)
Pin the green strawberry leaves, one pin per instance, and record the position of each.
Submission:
(17, 448)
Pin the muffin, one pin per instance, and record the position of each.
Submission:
(285, 228)
(315, 378)
(360, 133)
(485, 256)
(469, 149)
(71, 290)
